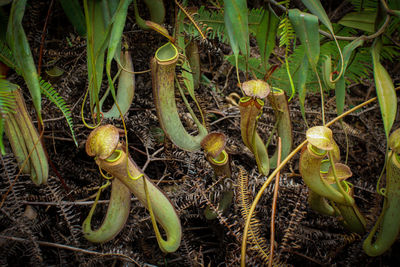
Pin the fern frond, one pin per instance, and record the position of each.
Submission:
(6, 55)
(286, 34)
(48, 90)
(212, 23)
(7, 98)
(364, 5)
(259, 244)
(189, 16)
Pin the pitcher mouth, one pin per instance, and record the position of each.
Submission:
(167, 54)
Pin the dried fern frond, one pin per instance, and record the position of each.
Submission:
(189, 16)
(69, 213)
(257, 242)
(212, 23)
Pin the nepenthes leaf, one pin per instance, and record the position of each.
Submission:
(316, 8)
(18, 42)
(306, 27)
(384, 89)
(236, 23)
(340, 88)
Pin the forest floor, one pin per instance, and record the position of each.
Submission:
(40, 219)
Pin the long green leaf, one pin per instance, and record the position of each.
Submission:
(306, 27)
(95, 51)
(316, 8)
(18, 42)
(236, 23)
(384, 89)
(118, 23)
(301, 78)
(266, 34)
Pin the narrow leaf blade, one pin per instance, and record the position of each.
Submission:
(302, 74)
(316, 8)
(384, 89)
(236, 22)
(306, 27)
(340, 86)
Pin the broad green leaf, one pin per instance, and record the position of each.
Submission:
(364, 20)
(236, 23)
(266, 34)
(340, 87)
(384, 89)
(302, 74)
(316, 8)
(306, 27)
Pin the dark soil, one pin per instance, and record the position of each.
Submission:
(40, 218)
